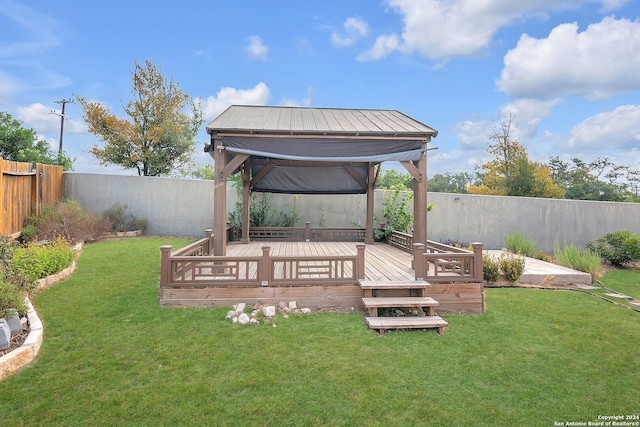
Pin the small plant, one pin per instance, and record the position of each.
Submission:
(490, 268)
(398, 212)
(581, 259)
(543, 257)
(68, 220)
(36, 261)
(520, 244)
(512, 266)
(121, 220)
(619, 248)
(11, 298)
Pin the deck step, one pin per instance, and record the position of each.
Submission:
(382, 302)
(381, 324)
(409, 284)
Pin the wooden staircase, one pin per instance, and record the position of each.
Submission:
(375, 298)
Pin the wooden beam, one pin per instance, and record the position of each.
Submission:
(356, 175)
(413, 170)
(219, 200)
(246, 203)
(234, 164)
(368, 236)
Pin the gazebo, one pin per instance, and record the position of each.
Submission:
(302, 150)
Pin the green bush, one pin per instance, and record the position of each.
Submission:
(121, 220)
(581, 259)
(490, 268)
(619, 248)
(36, 261)
(11, 298)
(512, 266)
(520, 244)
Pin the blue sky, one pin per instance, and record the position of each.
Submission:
(568, 70)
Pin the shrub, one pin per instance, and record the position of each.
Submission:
(519, 244)
(619, 248)
(512, 266)
(543, 257)
(490, 268)
(397, 209)
(36, 261)
(11, 298)
(581, 259)
(68, 220)
(121, 220)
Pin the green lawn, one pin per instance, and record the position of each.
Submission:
(112, 356)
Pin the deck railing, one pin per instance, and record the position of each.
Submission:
(439, 263)
(306, 233)
(194, 266)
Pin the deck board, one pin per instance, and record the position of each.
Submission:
(382, 261)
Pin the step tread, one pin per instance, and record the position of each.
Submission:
(381, 302)
(405, 322)
(417, 284)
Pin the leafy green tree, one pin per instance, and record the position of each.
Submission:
(158, 137)
(19, 144)
(451, 183)
(391, 179)
(581, 180)
(509, 171)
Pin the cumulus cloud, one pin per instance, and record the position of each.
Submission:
(617, 129)
(304, 102)
(257, 49)
(39, 117)
(473, 135)
(384, 45)
(354, 28)
(214, 105)
(597, 63)
(440, 29)
(528, 114)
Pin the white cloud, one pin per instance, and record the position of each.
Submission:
(617, 129)
(257, 49)
(528, 114)
(441, 29)
(214, 105)
(304, 102)
(597, 63)
(383, 46)
(40, 118)
(473, 135)
(354, 29)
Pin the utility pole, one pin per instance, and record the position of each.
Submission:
(64, 102)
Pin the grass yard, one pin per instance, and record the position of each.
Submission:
(112, 356)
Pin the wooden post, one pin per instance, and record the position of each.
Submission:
(360, 268)
(219, 199)
(209, 235)
(165, 264)
(368, 235)
(264, 273)
(477, 262)
(307, 231)
(420, 201)
(418, 261)
(246, 204)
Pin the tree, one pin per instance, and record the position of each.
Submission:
(19, 144)
(581, 180)
(392, 180)
(450, 183)
(158, 136)
(509, 171)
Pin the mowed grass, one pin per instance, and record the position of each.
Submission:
(112, 356)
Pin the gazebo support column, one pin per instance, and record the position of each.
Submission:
(418, 170)
(368, 236)
(219, 200)
(246, 203)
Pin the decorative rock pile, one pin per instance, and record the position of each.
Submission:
(264, 312)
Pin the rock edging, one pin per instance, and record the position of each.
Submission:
(27, 352)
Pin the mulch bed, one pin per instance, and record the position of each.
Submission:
(16, 341)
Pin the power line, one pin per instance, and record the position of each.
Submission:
(63, 102)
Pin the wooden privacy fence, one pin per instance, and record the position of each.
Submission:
(25, 190)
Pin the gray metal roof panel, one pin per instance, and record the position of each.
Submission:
(317, 121)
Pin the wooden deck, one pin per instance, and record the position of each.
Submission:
(382, 262)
